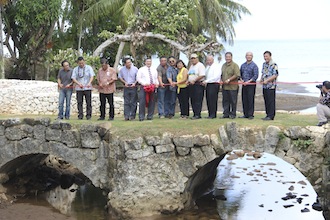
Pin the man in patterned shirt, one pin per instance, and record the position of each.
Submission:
(323, 107)
(268, 80)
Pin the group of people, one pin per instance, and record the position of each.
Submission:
(169, 81)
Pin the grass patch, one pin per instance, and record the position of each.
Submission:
(178, 126)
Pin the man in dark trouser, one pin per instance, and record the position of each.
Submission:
(268, 79)
(163, 89)
(127, 75)
(106, 79)
(172, 73)
(212, 79)
(147, 76)
(249, 75)
(229, 78)
(196, 88)
(83, 76)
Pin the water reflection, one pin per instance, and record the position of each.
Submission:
(248, 187)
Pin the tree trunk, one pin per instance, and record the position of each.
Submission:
(2, 61)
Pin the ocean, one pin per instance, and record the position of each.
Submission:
(306, 62)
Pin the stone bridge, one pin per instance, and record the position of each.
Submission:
(151, 174)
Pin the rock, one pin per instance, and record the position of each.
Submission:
(90, 140)
(137, 154)
(3, 178)
(201, 140)
(11, 122)
(88, 128)
(224, 137)
(152, 140)
(218, 147)
(183, 141)
(164, 148)
(186, 166)
(305, 210)
(42, 121)
(297, 132)
(2, 130)
(14, 133)
(183, 151)
(271, 138)
(233, 134)
(53, 134)
(133, 144)
(209, 153)
(39, 132)
(104, 129)
(71, 138)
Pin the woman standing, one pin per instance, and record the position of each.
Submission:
(183, 94)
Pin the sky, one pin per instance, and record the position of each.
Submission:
(284, 19)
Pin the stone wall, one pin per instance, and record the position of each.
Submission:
(31, 97)
(148, 175)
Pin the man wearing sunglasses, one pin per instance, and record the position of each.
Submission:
(83, 76)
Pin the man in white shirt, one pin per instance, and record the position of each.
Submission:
(212, 79)
(147, 76)
(196, 88)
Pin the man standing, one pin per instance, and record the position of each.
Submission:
(148, 78)
(268, 79)
(106, 79)
(65, 83)
(163, 94)
(323, 107)
(229, 78)
(127, 75)
(249, 76)
(196, 88)
(172, 73)
(83, 76)
(212, 79)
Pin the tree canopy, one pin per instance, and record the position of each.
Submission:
(40, 30)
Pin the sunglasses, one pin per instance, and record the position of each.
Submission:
(193, 58)
(172, 61)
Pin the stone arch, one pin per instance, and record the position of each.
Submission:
(85, 149)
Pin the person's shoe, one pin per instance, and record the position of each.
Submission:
(196, 117)
(243, 116)
(150, 118)
(232, 117)
(225, 116)
(183, 117)
(161, 116)
(210, 117)
(99, 119)
(126, 119)
(322, 123)
(251, 117)
(141, 119)
(131, 119)
(267, 119)
(170, 116)
(67, 118)
(88, 117)
(110, 119)
(80, 117)
(59, 118)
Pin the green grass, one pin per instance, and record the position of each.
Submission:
(178, 126)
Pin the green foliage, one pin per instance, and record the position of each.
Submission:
(169, 18)
(105, 34)
(281, 136)
(302, 144)
(71, 55)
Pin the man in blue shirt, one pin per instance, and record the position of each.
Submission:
(172, 73)
(127, 75)
(249, 75)
(83, 76)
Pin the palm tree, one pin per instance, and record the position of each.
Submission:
(215, 18)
